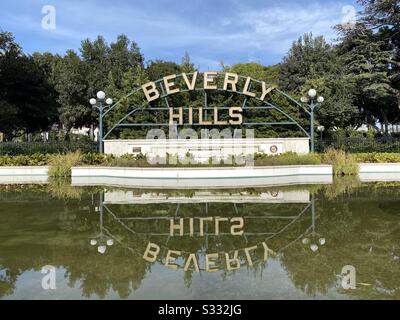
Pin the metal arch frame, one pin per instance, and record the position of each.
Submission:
(310, 207)
(266, 106)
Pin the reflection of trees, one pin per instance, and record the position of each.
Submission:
(359, 233)
(55, 232)
(8, 279)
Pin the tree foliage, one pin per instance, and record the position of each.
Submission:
(27, 100)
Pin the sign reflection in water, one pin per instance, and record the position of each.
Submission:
(170, 238)
(39, 225)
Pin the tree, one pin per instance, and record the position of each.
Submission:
(256, 71)
(338, 109)
(71, 85)
(384, 16)
(26, 98)
(308, 58)
(187, 66)
(131, 80)
(159, 68)
(96, 64)
(124, 55)
(367, 58)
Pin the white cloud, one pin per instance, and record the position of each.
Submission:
(242, 33)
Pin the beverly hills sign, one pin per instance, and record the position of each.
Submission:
(257, 109)
(212, 261)
(171, 84)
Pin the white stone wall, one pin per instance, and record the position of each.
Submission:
(205, 148)
(218, 177)
(379, 172)
(23, 175)
(130, 197)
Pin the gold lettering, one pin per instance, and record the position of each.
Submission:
(265, 90)
(150, 91)
(191, 257)
(209, 78)
(235, 113)
(190, 115)
(210, 262)
(267, 251)
(169, 84)
(216, 121)
(239, 226)
(176, 226)
(201, 121)
(170, 259)
(151, 252)
(202, 224)
(217, 220)
(231, 79)
(246, 88)
(235, 260)
(190, 85)
(248, 257)
(173, 116)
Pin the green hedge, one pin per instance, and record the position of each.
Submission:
(375, 157)
(36, 159)
(30, 148)
(343, 163)
(359, 145)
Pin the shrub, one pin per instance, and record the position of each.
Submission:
(28, 148)
(36, 159)
(127, 160)
(94, 158)
(61, 164)
(376, 157)
(288, 158)
(61, 188)
(342, 162)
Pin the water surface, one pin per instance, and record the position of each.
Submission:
(95, 238)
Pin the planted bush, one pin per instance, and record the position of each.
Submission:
(36, 159)
(376, 157)
(343, 163)
(286, 159)
(61, 164)
(54, 147)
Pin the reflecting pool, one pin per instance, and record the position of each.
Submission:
(338, 241)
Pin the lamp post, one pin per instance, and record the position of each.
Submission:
(310, 101)
(313, 239)
(99, 240)
(99, 104)
(321, 129)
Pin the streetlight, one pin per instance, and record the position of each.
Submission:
(321, 129)
(313, 239)
(99, 239)
(312, 93)
(99, 104)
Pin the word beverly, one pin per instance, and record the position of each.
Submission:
(209, 83)
(213, 262)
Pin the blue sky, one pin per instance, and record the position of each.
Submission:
(210, 30)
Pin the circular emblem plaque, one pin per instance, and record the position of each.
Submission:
(273, 149)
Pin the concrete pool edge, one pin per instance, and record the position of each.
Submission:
(198, 177)
(216, 177)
